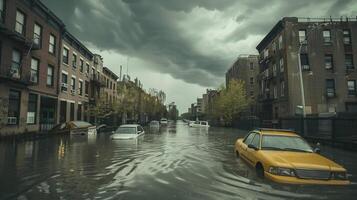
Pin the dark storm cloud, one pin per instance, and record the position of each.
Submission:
(149, 30)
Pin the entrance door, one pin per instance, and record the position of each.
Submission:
(47, 113)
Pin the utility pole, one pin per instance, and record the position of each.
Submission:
(301, 82)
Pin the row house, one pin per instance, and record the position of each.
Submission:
(30, 37)
(326, 50)
(75, 72)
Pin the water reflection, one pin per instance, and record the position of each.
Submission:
(173, 162)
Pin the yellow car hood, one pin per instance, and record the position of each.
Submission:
(300, 160)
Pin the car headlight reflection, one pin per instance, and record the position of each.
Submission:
(281, 171)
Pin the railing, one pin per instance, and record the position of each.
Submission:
(325, 19)
(15, 75)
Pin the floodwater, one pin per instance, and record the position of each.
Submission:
(175, 162)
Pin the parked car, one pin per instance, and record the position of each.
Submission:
(74, 128)
(163, 121)
(154, 124)
(128, 131)
(199, 124)
(285, 157)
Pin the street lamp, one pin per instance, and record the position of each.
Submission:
(301, 81)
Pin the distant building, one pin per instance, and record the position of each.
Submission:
(246, 68)
(327, 50)
(199, 105)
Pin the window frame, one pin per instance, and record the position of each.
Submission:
(22, 25)
(51, 76)
(349, 67)
(18, 106)
(15, 64)
(37, 71)
(330, 90)
(347, 36)
(39, 36)
(331, 60)
(305, 65)
(354, 91)
(80, 88)
(327, 39)
(30, 102)
(65, 59)
(304, 41)
(52, 45)
(74, 61)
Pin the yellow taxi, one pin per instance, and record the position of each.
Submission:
(285, 157)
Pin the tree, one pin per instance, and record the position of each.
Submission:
(231, 101)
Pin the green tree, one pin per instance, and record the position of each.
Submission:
(231, 101)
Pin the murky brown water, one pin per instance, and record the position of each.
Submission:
(176, 162)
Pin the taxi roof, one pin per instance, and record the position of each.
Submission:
(284, 132)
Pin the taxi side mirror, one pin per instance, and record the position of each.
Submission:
(317, 150)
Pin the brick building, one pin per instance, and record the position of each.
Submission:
(29, 45)
(246, 68)
(327, 50)
(76, 63)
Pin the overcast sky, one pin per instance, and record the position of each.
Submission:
(181, 46)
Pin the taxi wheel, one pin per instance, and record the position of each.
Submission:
(259, 170)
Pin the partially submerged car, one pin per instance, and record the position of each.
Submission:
(199, 124)
(74, 128)
(154, 124)
(128, 131)
(285, 157)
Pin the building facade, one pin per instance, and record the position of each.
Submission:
(29, 44)
(76, 63)
(326, 50)
(246, 69)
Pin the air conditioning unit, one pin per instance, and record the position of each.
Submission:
(14, 73)
(12, 120)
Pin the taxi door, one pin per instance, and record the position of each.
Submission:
(252, 153)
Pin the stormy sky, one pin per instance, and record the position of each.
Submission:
(181, 46)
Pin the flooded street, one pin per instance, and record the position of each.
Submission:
(175, 162)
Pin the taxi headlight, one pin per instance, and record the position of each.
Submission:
(339, 175)
(281, 171)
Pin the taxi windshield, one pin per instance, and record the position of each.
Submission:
(285, 143)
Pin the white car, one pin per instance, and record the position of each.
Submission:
(199, 124)
(128, 131)
(154, 124)
(163, 121)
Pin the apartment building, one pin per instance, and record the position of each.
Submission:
(246, 69)
(199, 105)
(76, 64)
(29, 58)
(327, 51)
(110, 89)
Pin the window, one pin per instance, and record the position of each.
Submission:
(351, 86)
(330, 87)
(14, 107)
(73, 84)
(304, 62)
(63, 111)
(52, 44)
(347, 37)
(251, 66)
(349, 61)
(37, 34)
(282, 88)
(87, 68)
(79, 112)
(251, 80)
(65, 56)
(15, 64)
(274, 70)
(64, 85)
(2, 10)
(327, 37)
(20, 22)
(251, 93)
(266, 53)
(32, 109)
(71, 112)
(256, 141)
(80, 88)
(86, 88)
(74, 61)
(81, 65)
(328, 61)
(280, 44)
(34, 70)
(281, 64)
(249, 138)
(49, 81)
(275, 92)
(302, 36)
